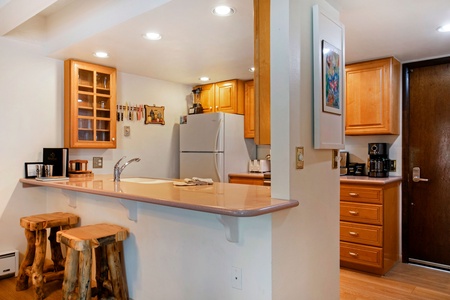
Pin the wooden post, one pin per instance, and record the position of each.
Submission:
(84, 276)
(37, 277)
(57, 257)
(115, 268)
(22, 279)
(70, 273)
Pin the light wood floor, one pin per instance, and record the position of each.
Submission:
(402, 282)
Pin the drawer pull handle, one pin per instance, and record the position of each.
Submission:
(353, 254)
(353, 233)
(353, 194)
(354, 213)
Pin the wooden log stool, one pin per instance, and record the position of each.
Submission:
(109, 277)
(36, 234)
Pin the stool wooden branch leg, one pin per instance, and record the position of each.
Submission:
(57, 257)
(37, 276)
(22, 279)
(70, 273)
(84, 283)
(115, 268)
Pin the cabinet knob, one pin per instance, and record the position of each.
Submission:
(113, 139)
(217, 107)
(353, 254)
(353, 212)
(353, 194)
(352, 233)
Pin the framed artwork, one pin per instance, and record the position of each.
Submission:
(30, 169)
(331, 72)
(154, 114)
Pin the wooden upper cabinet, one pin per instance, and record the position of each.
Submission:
(225, 96)
(372, 97)
(249, 110)
(262, 71)
(89, 105)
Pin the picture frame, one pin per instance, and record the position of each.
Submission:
(331, 81)
(30, 169)
(154, 114)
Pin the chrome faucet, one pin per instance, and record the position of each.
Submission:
(118, 170)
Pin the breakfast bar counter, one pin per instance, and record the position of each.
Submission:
(237, 200)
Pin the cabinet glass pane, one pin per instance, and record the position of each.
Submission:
(103, 102)
(85, 100)
(103, 81)
(85, 135)
(85, 77)
(103, 124)
(103, 136)
(85, 124)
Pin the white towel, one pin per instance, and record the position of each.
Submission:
(194, 181)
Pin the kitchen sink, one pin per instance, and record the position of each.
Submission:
(144, 180)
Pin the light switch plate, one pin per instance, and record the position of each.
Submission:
(299, 157)
(126, 130)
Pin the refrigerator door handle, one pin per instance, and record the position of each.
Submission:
(217, 139)
(217, 167)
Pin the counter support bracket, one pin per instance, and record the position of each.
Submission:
(131, 206)
(231, 225)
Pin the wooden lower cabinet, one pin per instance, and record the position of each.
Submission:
(250, 178)
(369, 226)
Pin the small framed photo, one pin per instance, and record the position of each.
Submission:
(154, 115)
(30, 169)
(331, 72)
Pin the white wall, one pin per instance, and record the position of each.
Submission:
(305, 239)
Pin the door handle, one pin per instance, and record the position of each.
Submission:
(416, 175)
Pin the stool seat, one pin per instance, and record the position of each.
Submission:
(104, 238)
(36, 234)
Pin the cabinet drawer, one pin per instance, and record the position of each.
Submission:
(358, 194)
(364, 255)
(362, 234)
(362, 213)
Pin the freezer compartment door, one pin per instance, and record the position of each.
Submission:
(203, 165)
(202, 132)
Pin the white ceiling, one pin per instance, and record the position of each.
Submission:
(196, 43)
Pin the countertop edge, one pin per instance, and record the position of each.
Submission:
(286, 204)
(370, 180)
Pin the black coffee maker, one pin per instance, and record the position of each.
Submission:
(379, 163)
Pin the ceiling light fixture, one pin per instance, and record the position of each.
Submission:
(101, 54)
(223, 11)
(204, 78)
(444, 28)
(153, 36)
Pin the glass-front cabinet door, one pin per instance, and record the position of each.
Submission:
(89, 105)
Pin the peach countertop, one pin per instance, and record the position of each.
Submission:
(238, 200)
(370, 180)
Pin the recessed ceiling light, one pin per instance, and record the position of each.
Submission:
(444, 28)
(252, 69)
(223, 11)
(101, 54)
(204, 78)
(153, 36)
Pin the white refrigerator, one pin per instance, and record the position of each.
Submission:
(212, 145)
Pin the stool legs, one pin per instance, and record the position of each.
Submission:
(37, 276)
(115, 268)
(70, 273)
(84, 283)
(22, 279)
(57, 257)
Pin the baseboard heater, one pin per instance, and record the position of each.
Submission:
(9, 263)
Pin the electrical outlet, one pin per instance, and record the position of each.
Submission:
(236, 278)
(299, 157)
(393, 166)
(97, 162)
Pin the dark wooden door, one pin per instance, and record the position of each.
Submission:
(426, 145)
